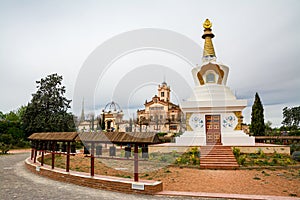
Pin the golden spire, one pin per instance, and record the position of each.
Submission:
(207, 36)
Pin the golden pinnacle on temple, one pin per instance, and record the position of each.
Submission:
(208, 51)
(207, 24)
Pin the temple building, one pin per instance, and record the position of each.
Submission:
(213, 113)
(113, 116)
(160, 115)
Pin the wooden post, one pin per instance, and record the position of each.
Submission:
(92, 159)
(42, 160)
(136, 163)
(35, 154)
(68, 157)
(32, 153)
(53, 155)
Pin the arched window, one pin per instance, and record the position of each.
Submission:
(210, 78)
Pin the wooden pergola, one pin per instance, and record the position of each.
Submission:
(47, 142)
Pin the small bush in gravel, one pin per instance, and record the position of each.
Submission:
(191, 157)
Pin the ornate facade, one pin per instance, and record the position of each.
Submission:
(160, 114)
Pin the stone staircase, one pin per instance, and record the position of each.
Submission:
(217, 157)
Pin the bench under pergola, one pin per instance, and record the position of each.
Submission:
(48, 142)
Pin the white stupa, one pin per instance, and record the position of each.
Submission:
(213, 113)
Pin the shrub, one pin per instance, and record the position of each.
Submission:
(160, 134)
(261, 153)
(294, 147)
(274, 161)
(191, 157)
(5, 147)
(241, 159)
(277, 155)
(296, 155)
(6, 141)
(236, 152)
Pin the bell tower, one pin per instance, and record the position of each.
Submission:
(164, 92)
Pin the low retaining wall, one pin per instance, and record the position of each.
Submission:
(97, 182)
(266, 148)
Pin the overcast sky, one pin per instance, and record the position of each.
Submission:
(258, 40)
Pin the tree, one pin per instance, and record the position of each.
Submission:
(102, 124)
(47, 111)
(291, 117)
(257, 126)
(6, 141)
(268, 128)
(2, 116)
(12, 116)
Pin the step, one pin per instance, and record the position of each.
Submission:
(225, 167)
(219, 165)
(218, 150)
(217, 157)
(214, 153)
(217, 161)
(215, 147)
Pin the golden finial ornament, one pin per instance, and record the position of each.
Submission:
(208, 51)
(207, 24)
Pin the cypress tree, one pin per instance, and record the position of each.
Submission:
(257, 126)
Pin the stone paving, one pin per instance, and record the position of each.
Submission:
(18, 183)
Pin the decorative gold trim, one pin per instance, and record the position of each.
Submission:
(200, 78)
(213, 67)
(239, 115)
(188, 127)
(208, 47)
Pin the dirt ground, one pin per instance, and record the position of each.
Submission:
(259, 182)
(279, 182)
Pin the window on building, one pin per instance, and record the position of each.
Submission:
(160, 116)
(210, 78)
(157, 108)
(173, 127)
(162, 94)
(173, 117)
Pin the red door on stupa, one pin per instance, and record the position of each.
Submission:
(213, 129)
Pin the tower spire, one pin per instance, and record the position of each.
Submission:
(82, 118)
(208, 52)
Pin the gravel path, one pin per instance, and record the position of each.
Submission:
(18, 183)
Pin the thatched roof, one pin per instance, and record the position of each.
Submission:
(54, 136)
(105, 137)
(119, 137)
